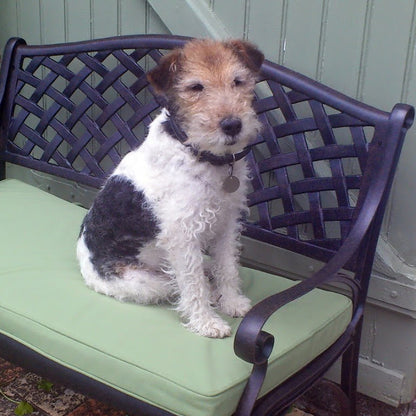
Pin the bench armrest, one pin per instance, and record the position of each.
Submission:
(254, 345)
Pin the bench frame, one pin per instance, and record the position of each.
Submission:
(360, 222)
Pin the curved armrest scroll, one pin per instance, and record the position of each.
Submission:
(254, 345)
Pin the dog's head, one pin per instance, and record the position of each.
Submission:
(208, 87)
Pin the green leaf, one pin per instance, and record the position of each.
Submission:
(45, 385)
(23, 408)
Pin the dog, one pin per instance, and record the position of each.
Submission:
(166, 225)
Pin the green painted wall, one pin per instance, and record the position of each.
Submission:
(364, 48)
(47, 21)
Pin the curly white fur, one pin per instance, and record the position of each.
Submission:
(206, 84)
(198, 219)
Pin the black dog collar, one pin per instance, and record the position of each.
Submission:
(176, 132)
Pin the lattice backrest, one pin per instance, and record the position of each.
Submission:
(309, 163)
(80, 108)
(74, 110)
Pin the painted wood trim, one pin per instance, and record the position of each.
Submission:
(390, 387)
(196, 18)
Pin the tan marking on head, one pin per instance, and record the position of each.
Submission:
(213, 80)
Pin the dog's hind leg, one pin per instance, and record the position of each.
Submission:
(142, 286)
(128, 283)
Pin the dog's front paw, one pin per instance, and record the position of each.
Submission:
(212, 327)
(236, 306)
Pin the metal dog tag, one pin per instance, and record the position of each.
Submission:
(231, 183)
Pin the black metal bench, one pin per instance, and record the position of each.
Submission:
(321, 174)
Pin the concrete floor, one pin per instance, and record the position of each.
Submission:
(17, 385)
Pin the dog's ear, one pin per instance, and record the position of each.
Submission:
(162, 76)
(248, 53)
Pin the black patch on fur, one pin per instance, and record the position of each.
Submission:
(119, 223)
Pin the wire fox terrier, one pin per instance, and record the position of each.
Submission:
(180, 195)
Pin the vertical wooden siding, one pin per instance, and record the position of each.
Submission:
(352, 45)
(50, 21)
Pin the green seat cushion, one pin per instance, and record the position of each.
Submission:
(143, 351)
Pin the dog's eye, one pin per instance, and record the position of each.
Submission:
(238, 82)
(196, 87)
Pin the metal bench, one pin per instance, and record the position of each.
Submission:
(322, 170)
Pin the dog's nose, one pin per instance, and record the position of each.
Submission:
(231, 126)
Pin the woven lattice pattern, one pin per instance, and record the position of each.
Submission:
(307, 167)
(82, 111)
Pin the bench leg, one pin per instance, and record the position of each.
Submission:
(2, 170)
(349, 372)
